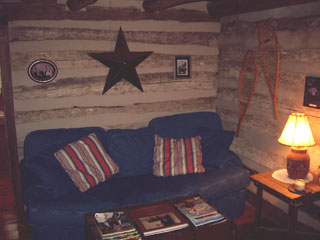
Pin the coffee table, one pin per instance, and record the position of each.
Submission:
(221, 231)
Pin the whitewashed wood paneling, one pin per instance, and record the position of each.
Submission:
(74, 98)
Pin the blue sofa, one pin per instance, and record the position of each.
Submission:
(55, 207)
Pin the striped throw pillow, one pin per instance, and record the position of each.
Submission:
(86, 162)
(177, 156)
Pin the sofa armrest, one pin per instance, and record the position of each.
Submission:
(230, 159)
(33, 189)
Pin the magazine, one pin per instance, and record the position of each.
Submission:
(199, 212)
(115, 225)
(127, 236)
(156, 219)
(135, 236)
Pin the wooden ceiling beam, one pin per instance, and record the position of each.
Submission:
(158, 5)
(75, 5)
(221, 8)
(230, 7)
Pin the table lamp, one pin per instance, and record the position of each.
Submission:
(297, 134)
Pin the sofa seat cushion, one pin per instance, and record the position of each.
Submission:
(126, 191)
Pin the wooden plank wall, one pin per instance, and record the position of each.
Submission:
(74, 98)
(298, 30)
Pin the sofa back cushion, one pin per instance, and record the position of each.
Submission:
(39, 140)
(185, 124)
(132, 150)
(47, 168)
(39, 158)
(215, 143)
(214, 140)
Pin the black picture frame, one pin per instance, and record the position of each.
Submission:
(42, 71)
(182, 67)
(312, 92)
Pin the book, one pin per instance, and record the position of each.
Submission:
(156, 219)
(115, 225)
(199, 212)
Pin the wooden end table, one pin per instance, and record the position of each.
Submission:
(265, 182)
(221, 231)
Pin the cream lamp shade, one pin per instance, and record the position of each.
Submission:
(297, 132)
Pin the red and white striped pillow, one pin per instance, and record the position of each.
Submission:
(86, 162)
(177, 156)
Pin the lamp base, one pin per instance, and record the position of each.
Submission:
(298, 163)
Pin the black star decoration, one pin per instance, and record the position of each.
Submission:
(122, 63)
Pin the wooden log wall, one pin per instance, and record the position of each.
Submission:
(298, 31)
(300, 57)
(74, 98)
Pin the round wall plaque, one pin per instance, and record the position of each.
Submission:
(42, 71)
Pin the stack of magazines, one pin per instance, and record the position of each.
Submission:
(199, 212)
(116, 226)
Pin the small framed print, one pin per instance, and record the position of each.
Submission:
(182, 67)
(42, 71)
(312, 92)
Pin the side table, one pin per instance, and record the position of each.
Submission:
(265, 182)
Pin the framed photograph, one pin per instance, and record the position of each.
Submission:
(42, 71)
(312, 92)
(182, 67)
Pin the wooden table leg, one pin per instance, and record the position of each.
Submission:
(258, 207)
(293, 214)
